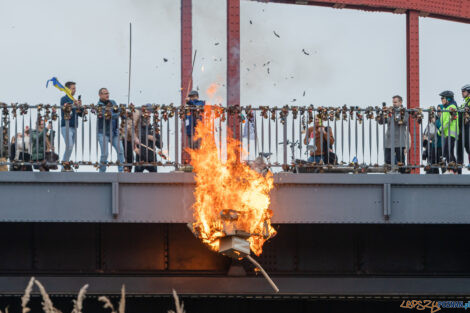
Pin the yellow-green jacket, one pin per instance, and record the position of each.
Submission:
(449, 125)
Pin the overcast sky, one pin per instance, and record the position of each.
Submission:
(355, 57)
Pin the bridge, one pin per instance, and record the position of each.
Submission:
(340, 236)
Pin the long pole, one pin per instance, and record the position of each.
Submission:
(270, 281)
(191, 76)
(130, 65)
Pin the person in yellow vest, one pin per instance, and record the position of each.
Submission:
(464, 133)
(449, 129)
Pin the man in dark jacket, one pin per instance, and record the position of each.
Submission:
(108, 129)
(192, 118)
(148, 143)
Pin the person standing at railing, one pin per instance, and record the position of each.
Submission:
(449, 129)
(149, 142)
(432, 144)
(69, 123)
(108, 129)
(42, 149)
(396, 136)
(191, 118)
(20, 151)
(316, 140)
(464, 133)
(131, 136)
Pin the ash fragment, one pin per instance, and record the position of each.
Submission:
(305, 52)
(276, 34)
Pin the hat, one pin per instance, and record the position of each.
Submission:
(193, 93)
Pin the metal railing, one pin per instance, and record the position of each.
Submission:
(335, 139)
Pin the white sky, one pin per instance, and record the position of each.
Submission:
(356, 58)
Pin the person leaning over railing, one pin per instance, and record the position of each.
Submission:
(108, 129)
(432, 144)
(317, 139)
(449, 129)
(42, 150)
(130, 136)
(145, 151)
(4, 133)
(396, 136)
(464, 133)
(20, 151)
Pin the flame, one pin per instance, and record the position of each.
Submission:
(229, 195)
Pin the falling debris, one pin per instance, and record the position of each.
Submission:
(216, 44)
(305, 52)
(293, 100)
(197, 88)
(268, 70)
(276, 34)
(304, 94)
(251, 22)
(220, 60)
(165, 60)
(247, 69)
(267, 63)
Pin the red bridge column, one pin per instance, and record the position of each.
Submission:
(233, 63)
(186, 64)
(412, 73)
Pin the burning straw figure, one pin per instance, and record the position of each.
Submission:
(231, 209)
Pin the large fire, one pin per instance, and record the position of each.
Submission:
(230, 197)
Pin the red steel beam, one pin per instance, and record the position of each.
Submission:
(186, 64)
(233, 63)
(454, 10)
(412, 75)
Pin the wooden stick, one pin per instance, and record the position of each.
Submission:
(270, 281)
(159, 152)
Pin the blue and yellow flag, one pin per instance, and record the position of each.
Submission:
(59, 86)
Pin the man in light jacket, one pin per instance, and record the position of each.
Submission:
(396, 137)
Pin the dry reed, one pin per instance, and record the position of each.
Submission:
(27, 294)
(47, 304)
(78, 304)
(122, 302)
(107, 303)
(179, 306)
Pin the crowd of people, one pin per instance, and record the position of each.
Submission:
(445, 136)
(136, 144)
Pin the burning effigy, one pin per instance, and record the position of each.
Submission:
(231, 209)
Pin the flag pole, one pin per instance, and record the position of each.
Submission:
(130, 65)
